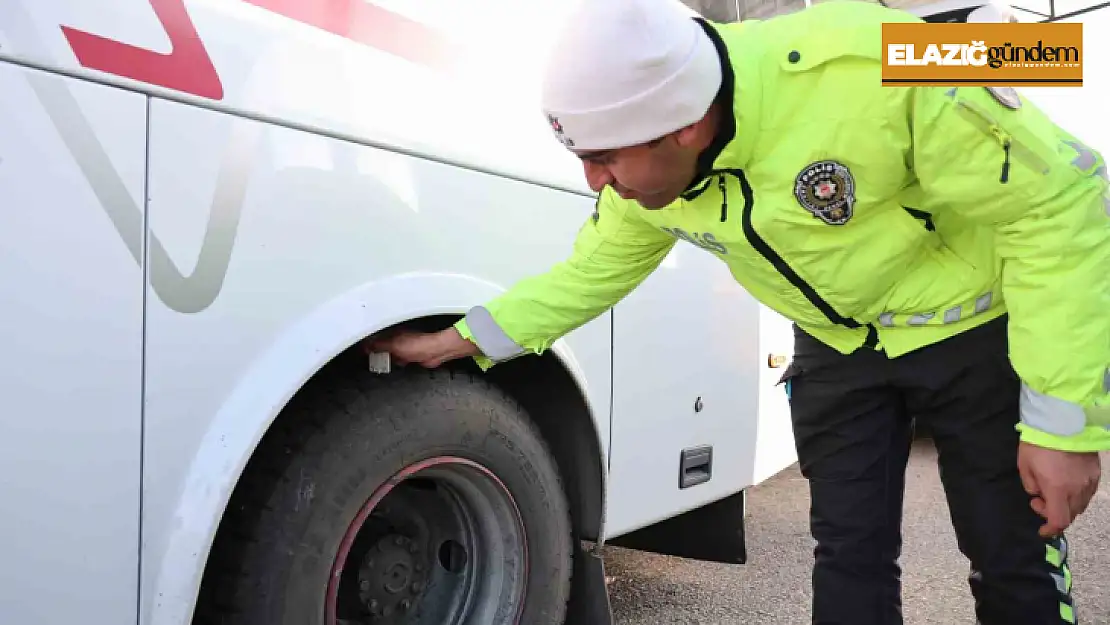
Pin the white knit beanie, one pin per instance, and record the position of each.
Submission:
(624, 72)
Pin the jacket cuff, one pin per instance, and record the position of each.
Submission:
(1090, 439)
(480, 328)
(1051, 415)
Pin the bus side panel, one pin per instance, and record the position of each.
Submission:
(271, 249)
(460, 84)
(70, 348)
(690, 374)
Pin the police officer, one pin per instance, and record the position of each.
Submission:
(942, 252)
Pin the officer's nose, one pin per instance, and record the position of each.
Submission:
(597, 176)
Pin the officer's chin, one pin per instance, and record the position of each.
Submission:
(649, 201)
(655, 202)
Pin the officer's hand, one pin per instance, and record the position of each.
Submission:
(1062, 484)
(429, 350)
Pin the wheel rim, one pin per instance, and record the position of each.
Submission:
(441, 542)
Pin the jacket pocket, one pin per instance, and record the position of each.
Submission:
(1011, 148)
(793, 370)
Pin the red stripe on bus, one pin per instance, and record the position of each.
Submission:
(186, 68)
(370, 25)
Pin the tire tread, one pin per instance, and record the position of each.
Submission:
(317, 419)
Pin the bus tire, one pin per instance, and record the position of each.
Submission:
(402, 500)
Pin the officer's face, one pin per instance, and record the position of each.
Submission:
(653, 174)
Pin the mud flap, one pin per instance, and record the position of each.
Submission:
(713, 533)
(589, 596)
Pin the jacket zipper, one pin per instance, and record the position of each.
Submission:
(987, 124)
(724, 197)
(779, 264)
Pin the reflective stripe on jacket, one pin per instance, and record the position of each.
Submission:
(871, 216)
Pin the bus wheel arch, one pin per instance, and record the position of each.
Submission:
(541, 386)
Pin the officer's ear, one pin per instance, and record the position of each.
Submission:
(698, 135)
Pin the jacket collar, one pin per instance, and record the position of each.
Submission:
(739, 94)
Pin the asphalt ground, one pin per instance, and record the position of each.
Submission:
(773, 588)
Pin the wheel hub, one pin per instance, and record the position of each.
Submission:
(391, 578)
(440, 543)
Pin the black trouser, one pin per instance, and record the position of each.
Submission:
(853, 419)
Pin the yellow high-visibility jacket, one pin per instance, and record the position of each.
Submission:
(871, 216)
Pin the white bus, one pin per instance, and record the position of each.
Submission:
(207, 205)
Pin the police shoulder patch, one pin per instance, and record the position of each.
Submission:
(827, 190)
(1006, 96)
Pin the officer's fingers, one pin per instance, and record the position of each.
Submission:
(1050, 529)
(382, 342)
(411, 347)
(1038, 506)
(1057, 513)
